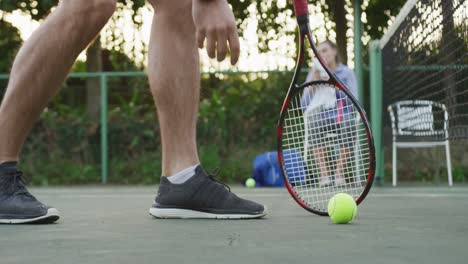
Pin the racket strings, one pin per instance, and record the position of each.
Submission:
(325, 146)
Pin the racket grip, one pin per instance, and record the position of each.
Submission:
(300, 7)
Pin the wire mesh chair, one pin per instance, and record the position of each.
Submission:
(419, 124)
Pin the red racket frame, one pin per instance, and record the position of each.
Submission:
(301, 11)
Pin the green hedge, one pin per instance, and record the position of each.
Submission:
(237, 121)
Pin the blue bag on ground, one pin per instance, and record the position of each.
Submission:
(267, 171)
(296, 168)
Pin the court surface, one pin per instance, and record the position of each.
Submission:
(112, 225)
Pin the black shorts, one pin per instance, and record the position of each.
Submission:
(327, 131)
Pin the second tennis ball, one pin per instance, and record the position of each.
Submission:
(342, 208)
(250, 183)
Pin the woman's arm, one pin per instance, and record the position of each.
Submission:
(351, 83)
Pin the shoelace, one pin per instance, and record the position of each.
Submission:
(215, 173)
(15, 182)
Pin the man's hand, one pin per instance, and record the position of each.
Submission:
(215, 21)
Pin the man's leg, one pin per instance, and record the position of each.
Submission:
(40, 67)
(174, 77)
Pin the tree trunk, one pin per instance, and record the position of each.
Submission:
(93, 91)
(341, 28)
(338, 14)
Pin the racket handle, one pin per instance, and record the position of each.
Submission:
(300, 7)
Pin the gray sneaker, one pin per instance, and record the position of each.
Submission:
(17, 205)
(202, 196)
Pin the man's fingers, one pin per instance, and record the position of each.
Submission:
(222, 45)
(234, 45)
(211, 43)
(200, 38)
(217, 43)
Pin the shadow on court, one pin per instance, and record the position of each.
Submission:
(112, 225)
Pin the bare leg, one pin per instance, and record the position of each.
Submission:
(322, 164)
(174, 76)
(341, 166)
(43, 63)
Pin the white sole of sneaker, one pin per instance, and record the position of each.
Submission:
(191, 214)
(51, 216)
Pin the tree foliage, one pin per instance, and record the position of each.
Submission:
(378, 14)
(268, 13)
(38, 9)
(10, 41)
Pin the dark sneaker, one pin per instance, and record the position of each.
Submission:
(17, 205)
(202, 197)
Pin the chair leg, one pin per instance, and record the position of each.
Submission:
(394, 165)
(449, 163)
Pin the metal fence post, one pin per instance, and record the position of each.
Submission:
(375, 66)
(104, 147)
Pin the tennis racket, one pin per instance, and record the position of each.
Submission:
(325, 145)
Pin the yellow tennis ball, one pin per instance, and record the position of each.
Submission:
(342, 208)
(250, 183)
